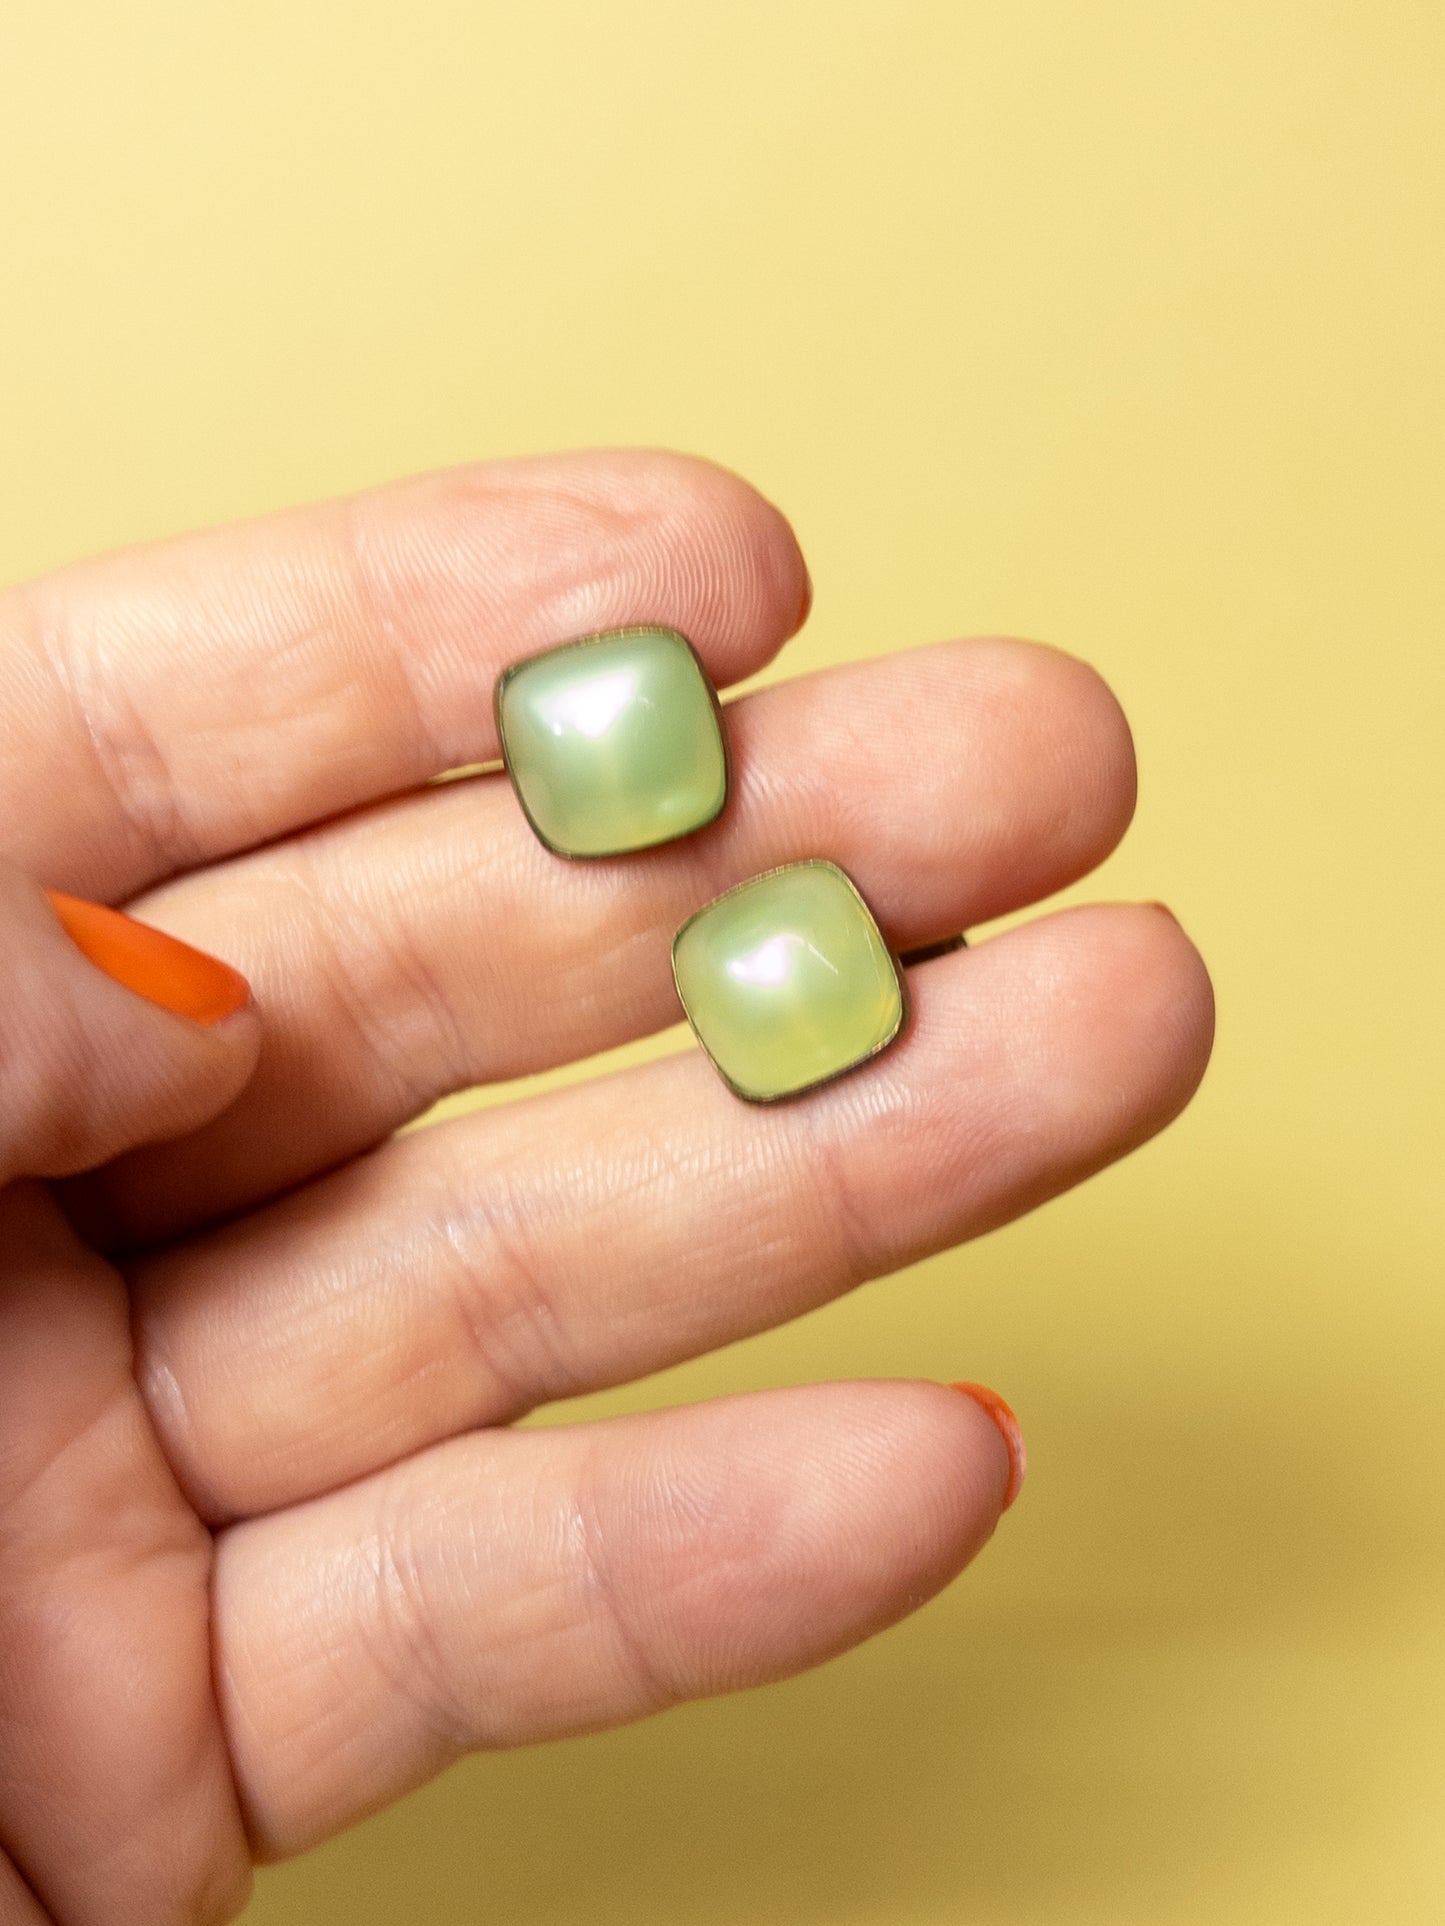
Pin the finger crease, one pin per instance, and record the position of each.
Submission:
(852, 1236)
(504, 1307)
(124, 751)
(634, 1652)
(403, 1640)
(344, 931)
(378, 607)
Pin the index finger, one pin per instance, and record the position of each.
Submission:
(177, 703)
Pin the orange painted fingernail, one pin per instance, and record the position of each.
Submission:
(1009, 1430)
(805, 607)
(158, 967)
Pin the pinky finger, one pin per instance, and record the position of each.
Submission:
(521, 1585)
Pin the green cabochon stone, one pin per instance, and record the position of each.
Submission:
(787, 981)
(613, 743)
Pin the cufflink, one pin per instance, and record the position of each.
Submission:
(787, 981)
(613, 742)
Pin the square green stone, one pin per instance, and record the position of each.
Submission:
(787, 981)
(614, 742)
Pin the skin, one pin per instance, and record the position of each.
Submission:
(271, 1552)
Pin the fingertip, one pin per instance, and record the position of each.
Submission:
(695, 544)
(1176, 994)
(766, 590)
(115, 1034)
(1132, 1034)
(1089, 731)
(805, 606)
(161, 968)
(1001, 1416)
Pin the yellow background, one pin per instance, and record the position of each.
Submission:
(1116, 322)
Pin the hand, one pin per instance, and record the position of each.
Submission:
(270, 1552)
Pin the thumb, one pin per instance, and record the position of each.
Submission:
(112, 1034)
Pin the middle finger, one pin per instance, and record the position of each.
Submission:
(431, 943)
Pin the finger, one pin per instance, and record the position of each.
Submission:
(116, 1801)
(18, 1905)
(111, 1034)
(466, 1273)
(434, 944)
(521, 1585)
(179, 702)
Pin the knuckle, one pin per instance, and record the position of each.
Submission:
(636, 1654)
(504, 1306)
(107, 726)
(401, 1634)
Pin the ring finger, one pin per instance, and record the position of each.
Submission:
(547, 1248)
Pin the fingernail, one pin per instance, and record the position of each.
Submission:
(805, 607)
(158, 967)
(1009, 1430)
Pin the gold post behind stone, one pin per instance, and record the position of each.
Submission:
(927, 951)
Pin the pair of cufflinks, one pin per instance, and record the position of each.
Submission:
(615, 743)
